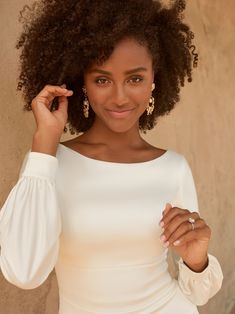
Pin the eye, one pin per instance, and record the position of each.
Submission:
(136, 79)
(101, 81)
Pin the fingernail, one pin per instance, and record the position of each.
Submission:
(161, 223)
(69, 92)
(163, 238)
(177, 242)
(166, 244)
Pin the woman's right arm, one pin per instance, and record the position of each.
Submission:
(30, 224)
(30, 221)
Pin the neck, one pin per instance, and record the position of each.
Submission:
(100, 134)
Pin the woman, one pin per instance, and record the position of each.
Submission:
(105, 207)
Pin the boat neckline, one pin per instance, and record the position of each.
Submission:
(157, 159)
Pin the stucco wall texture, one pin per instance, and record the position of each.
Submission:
(200, 127)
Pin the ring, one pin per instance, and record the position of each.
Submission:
(192, 222)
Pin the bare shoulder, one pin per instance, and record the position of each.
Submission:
(78, 144)
(73, 142)
(69, 143)
(155, 152)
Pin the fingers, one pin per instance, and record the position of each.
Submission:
(199, 233)
(48, 93)
(167, 208)
(172, 235)
(63, 104)
(51, 91)
(178, 214)
(177, 230)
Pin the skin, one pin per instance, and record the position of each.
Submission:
(191, 245)
(118, 139)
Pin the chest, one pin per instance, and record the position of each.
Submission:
(105, 202)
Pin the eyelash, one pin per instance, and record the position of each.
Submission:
(103, 79)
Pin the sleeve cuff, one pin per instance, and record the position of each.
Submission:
(183, 268)
(40, 165)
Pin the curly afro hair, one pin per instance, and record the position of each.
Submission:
(61, 39)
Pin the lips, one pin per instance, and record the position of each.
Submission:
(119, 113)
(114, 110)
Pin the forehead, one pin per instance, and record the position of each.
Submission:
(127, 54)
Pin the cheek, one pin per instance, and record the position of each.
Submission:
(101, 96)
(98, 99)
(141, 96)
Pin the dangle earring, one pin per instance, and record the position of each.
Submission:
(150, 107)
(85, 104)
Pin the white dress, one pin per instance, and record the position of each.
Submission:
(96, 222)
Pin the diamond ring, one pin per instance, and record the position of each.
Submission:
(192, 222)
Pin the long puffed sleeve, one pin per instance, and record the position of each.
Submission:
(30, 223)
(197, 287)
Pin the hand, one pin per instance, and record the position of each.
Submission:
(53, 122)
(178, 234)
(50, 125)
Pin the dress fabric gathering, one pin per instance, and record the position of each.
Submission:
(97, 223)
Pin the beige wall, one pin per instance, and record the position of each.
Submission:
(201, 128)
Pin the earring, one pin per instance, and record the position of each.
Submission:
(85, 104)
(150, 107)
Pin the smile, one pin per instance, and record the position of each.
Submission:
(119, 114)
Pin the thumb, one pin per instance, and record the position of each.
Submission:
(63, 104)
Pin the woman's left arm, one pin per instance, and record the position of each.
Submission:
(187, 234)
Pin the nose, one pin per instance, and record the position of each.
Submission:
(119, 96)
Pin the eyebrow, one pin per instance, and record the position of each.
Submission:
(126, 72)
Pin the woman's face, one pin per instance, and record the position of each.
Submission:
(119, 91)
